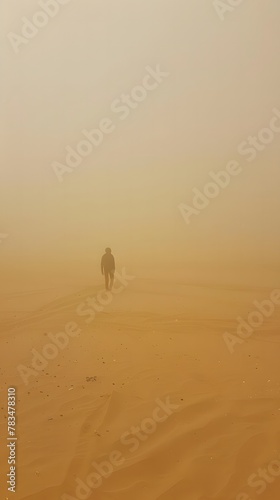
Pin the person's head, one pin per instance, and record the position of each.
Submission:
(108, 250)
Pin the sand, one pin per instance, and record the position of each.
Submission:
(147, 393)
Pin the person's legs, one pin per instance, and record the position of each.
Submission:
(111, 279)
(106, 280)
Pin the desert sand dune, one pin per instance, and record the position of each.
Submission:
(151, 343)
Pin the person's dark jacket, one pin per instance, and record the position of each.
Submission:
(107, 263)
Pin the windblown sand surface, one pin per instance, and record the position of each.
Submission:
(155, 340)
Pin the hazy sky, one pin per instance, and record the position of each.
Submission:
(223, 84)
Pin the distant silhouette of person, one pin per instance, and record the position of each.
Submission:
(108, 268)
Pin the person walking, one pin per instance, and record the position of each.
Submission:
(108, 268)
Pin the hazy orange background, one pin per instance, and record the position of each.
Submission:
(164, 335)
(224, 81)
